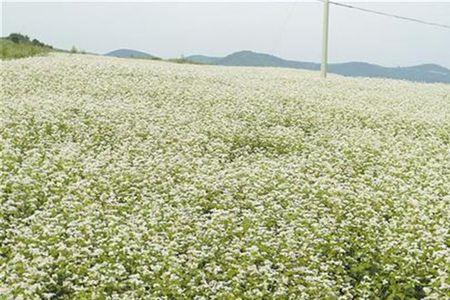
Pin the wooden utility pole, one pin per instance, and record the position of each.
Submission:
(323, 68)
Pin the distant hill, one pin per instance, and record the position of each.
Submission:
(421, 73)
(129, 53)
(249, 58)
(202, 59)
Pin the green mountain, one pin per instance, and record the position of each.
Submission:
(129, 53)
(421, 73)
(249, 58)
(430, 73)
(202, 59)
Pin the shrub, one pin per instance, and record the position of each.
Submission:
(11, 50)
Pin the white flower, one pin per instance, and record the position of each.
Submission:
(131, 179)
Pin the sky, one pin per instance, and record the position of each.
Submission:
(292, 30)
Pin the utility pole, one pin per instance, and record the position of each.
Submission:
(323, 67)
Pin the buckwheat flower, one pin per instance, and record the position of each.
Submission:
(129, 179)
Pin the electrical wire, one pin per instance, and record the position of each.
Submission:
(387, 14)
(278, 41)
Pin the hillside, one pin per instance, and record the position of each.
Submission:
(249, 58)
(128, 53)
(422, 73)
(142, 179)
(19, 46)
(202, 59)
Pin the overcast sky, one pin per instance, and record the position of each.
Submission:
(290, 30)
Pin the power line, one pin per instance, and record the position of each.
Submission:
(388, 15)
(277, 42)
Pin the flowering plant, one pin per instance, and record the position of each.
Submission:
(129, 179)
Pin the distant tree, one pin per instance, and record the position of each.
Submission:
(14, 39)
(38, 43)
(18, 38)
(73, 50)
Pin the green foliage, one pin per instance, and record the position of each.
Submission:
(17, 45)
(148, 58)
(183, 60)
(12, 50)
(40, 44)
(18, 38)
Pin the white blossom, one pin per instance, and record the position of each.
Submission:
(135, 179)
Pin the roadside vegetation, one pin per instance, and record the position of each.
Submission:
(17, 45)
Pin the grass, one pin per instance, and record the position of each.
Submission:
(11, 50)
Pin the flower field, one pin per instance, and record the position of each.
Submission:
(132, 179)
